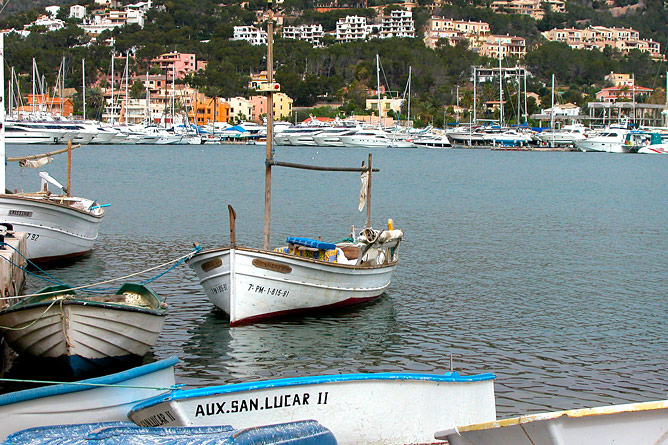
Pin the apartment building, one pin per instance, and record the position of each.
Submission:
(533, 8)
(309, 33)
(178, 64)
(614, 94)
(47, 22)
(241, 108)
(205, 110)
(453, 31)
(501, 47)
(77, 12)
(398, 24)
(282, 106)
(600, 37)
(352, 28)
(250, 34)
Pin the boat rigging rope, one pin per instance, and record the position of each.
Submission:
(51, 382)
(176, 262)
(34, 321)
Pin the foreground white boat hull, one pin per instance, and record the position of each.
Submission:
(89, 331)
(53, 230)
(85, 402)
(252, 284)
(357, 408)
(633, 423)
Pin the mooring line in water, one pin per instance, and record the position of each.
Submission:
(50, 382)
(178, 260)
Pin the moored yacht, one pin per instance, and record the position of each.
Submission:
(27, 132)
(331, 137)
(367, 138)
(610, 140)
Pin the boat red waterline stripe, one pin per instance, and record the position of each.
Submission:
(340, 304)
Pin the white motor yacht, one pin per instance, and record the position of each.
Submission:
(433, 141)
(610, 140)
(331, 137)
(27, 132)
(465, 135)
(505, 137)
(367, 138)
(567, 135)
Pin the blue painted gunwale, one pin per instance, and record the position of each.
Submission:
(65, 388)
(450, 377)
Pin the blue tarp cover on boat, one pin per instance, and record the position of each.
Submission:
(306, 432)
(307, 242)
(236, 128)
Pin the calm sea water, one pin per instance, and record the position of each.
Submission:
(548, 269)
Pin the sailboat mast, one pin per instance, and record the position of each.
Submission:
(269, 159)
(500, 89)
(410, 69)
(127, 74)
(33, 86)
(2, 112)
(148, 102)
(83, 86)
(112, 87)
(552, 112)
(475, 82)
(378, 86)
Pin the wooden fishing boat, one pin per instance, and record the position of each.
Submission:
(252, 284)
(357, 408)
(107, 398)
(306, 432)
(636, 423)
(57, 225)
(85, 332)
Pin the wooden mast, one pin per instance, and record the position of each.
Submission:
(270, 124)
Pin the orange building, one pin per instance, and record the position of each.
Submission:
(45, 103)
(202, 111)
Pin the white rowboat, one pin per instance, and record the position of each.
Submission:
(356, 408)
(632, 423)
(98, 399)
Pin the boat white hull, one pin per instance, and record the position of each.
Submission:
(607, 147)
(356, 408)
(249, 284)
(328, 141)
(633, 423)
(69, 404)
(83, 331)
(352, 142)
(53, 231)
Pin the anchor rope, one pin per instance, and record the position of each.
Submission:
(176, 262)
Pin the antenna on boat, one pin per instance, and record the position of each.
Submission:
(270, 123)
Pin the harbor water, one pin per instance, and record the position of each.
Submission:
(547, 269)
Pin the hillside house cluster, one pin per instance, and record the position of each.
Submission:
(600, 37)
(533, 8)
(454, 31)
